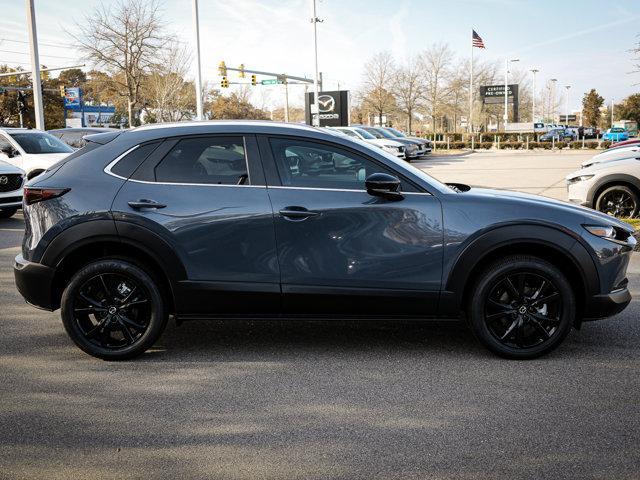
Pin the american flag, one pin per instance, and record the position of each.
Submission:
(476, 41)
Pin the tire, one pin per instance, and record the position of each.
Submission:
(510, 321)
(618, 201)
(8, 212)
(106, 299)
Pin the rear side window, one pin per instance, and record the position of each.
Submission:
(130, 162)
(208, 160)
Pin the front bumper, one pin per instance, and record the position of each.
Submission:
(11, 201)
(35, 283)
(602, 306)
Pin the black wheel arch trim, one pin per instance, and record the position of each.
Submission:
(488, 241)
(611, 179)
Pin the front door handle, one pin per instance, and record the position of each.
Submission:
(297, 213)
(146, 203)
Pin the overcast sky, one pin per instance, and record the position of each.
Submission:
(583, 43)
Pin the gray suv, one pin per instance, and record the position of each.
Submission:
(264, 220)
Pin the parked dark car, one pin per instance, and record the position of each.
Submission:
(74, 137)
(557, 134)
(411, 146)
(265, 220)
(424, 146)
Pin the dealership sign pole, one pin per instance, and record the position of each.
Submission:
(315, 105)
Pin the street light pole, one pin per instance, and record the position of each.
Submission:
(533, 96)
(196, 29)
(315, 106)
(35, 65)
(506, 90)
(566, 105)
(553, 99)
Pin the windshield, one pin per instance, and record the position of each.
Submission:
(40, 142)
(373, 132)
(364, 133)
(385, 134)
(617, 130)
(397, 133)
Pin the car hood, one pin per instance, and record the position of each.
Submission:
(50, 157)
(614, 155)
(8, 168)
(536, 201)
(418, 139)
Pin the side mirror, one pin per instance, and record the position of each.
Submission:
(9, 151)
(383, 185)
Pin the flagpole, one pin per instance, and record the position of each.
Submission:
(470, 122)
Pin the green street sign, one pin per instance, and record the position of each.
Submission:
(271, 81)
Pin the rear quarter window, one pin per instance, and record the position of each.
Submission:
(132, 160)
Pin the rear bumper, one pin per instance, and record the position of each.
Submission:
(34, 282)
(602, 306)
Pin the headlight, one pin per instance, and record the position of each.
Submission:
(608, 232)
(579, 178)
(600, 231)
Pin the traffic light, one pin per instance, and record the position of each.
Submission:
(224, 83)
(62, 91)
(254, 80)
(222, 69)
(22, 101)
(241, 68)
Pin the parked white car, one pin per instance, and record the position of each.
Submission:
(610, 187)
(388, 145)
(11, 182)
(613, 154)
(31, 150)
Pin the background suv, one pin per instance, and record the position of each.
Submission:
(390, 146)
(11, 180)
(31, 150)
(424, 146)
(268, 220)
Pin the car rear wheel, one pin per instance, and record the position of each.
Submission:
(618, 201)
(113, 310)
(8, 212)
(521, 307)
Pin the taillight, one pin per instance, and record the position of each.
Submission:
(33, 195)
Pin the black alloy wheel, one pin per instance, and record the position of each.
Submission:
(618, 201)
(521, 307)
(113, 310)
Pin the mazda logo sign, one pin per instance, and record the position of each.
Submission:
(326, 103)
(4, 180)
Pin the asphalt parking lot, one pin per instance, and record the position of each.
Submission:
(537, 172)
(321, 400)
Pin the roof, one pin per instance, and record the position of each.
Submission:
(243, 123)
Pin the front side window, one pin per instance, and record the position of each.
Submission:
(301, 163)
(209, 160)
(40, 142)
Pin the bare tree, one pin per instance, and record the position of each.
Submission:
(409, 89)
(124, 38)
(166, 91)
(378, 77)
(436, 61)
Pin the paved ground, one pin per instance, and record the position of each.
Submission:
(314, 400)
(541, 173)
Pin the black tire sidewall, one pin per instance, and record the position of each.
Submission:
(483, 287)
(622, 188)
(8, 212)
(157, 321)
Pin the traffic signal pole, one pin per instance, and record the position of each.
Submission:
(196, 26)
(35, 66)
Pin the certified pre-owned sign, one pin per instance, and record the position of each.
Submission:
(333, 108)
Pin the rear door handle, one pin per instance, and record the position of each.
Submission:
(146, 203)
(297, 213)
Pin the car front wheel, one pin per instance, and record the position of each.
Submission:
(521, 307)
(113, 310)
(618, 201)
